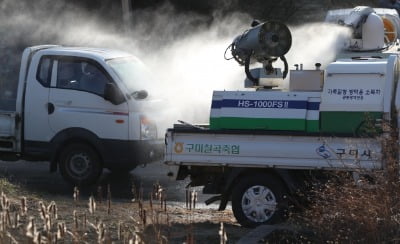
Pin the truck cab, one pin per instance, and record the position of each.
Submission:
(81, 109)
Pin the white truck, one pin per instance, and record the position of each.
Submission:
(80, 109)
(261, 146)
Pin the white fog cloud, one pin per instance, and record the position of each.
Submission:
(184, 52)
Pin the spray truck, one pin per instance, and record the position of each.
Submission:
(79, 108)
(261, 145)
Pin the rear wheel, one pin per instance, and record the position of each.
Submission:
(80, 165)
(258, 199)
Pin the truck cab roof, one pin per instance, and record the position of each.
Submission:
(96, 53)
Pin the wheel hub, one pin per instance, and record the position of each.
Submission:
(80, 163)
(259, 203)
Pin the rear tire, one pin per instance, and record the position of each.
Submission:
(258, 199)
(80, 164)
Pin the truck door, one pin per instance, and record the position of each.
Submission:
(36, 126)
(76, 100)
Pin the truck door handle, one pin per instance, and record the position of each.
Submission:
(50, 108)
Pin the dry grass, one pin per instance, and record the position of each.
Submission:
(25, 218)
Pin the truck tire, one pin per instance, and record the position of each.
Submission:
(258, 199)
(80, 165)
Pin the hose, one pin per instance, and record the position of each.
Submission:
(285, 72)
(247, 70)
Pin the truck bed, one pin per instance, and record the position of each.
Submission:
(7, 131)
(189, 145)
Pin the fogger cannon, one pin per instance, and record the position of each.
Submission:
(372, 29)
(263, 43)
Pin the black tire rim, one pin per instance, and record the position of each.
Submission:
(79, 165)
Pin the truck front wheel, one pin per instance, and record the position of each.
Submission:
(80, 164)
(258, 199)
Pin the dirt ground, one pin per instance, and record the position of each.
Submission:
(134, 212)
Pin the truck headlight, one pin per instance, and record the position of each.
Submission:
(148, 129)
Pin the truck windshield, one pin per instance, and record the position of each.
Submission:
(132, 72)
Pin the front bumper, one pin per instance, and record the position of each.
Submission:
(155, 150)
(129, 154)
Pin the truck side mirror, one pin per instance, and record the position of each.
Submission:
(142, 94)
(113, 94)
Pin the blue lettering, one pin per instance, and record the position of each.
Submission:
(278, 104)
